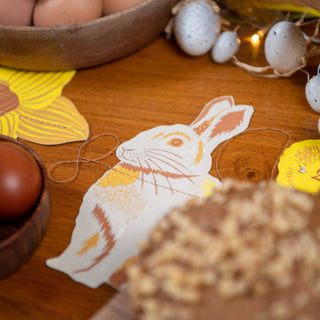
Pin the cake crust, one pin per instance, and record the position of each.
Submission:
(247, 252)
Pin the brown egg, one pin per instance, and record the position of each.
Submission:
(113, 6)
(62, 12)
(16, 12)
(20, 181)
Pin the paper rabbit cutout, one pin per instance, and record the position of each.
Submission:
(159, 169)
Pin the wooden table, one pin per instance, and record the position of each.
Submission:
(158, 85)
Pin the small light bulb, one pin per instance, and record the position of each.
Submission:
(255, 39)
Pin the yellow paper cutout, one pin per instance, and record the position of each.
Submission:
(32, 107)
(299, 166)
(286, 6)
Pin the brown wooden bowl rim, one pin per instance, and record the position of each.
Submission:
(80, 25)
(43, 197)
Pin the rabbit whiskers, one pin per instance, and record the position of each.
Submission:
(152, 163)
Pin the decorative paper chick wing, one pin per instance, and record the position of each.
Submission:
(299, 166)
(159, 169)
(32, 107)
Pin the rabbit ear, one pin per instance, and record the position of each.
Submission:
(221, 120)
(210, 110)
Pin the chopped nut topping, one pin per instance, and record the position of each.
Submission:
(279, 311)
(245, 239)
(301, 299)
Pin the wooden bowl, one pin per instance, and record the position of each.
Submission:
(85, 44)
(19, 238)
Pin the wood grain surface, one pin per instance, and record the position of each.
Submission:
(158, 85)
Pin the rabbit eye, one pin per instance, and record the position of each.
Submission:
(176, 142)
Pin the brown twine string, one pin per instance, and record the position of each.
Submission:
(249, 130)
(82, 159)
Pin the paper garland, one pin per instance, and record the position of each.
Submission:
(32, 108)
(159, 169)
(299, 166)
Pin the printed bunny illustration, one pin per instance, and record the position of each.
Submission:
(159, 169)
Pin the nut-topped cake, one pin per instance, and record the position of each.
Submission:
(248, 252)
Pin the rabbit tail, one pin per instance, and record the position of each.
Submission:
(106, 231)
(80, 259)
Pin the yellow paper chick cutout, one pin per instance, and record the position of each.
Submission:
(32, 107)
(299, 166)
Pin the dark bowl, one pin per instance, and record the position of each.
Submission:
(19, 238)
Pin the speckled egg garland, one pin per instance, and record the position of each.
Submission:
(285, 47)
(226, 46)
(313, 92)
(196, 27)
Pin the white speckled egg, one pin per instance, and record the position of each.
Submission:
(196, 27)
(313, 92)
(225, 47)
(285, 47)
